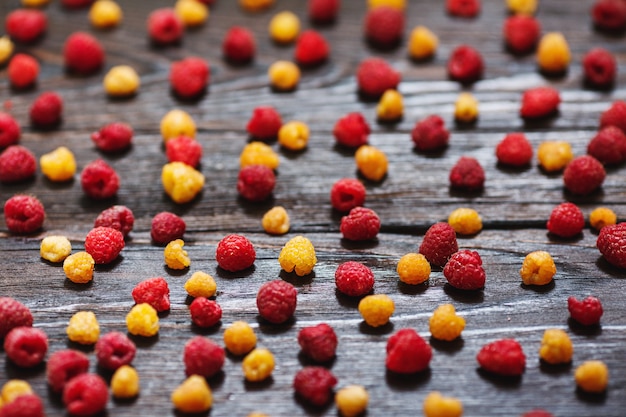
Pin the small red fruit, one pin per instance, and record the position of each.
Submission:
(318, 342)
(46, 110)
(587, 311)
(314, 384)
(323, 11)
(407, 352)
(235, 253)
(13, 314)
(360, 224)
(583, 175)
(615, 116)
(467, 174)
(153, 291)
(118, 217)
(430, 134)
(611, 243)
(539, 102)
(351, 130)
(99, 180)
(465, 65)
(276, 301)
(608, 146)
(166, 227)
(566, 220)
(113, 137)
(104, 244)
(521, 33)
(256, 182)
(311, 48)
(346, 194)
(503, 357)
(17, 163)
(26, 25)
(354, 279)
(164, 26)
(9, 130)
(264, 123)
(463, 8)
(184, 149)
(514, 150)
(439, 244)
(23, 71)
(384, 26)
(464, 270)
(375, 76)
(203, 357)
(23, 214)
(600, 68)
(189, 77)
(239, 45)
(83, 53)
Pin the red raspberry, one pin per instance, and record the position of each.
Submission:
(117, 217)
(235, 253)
(17, 164)
(276, 301)
(13, 314)
(439, 244)
(323, 11)
(99, 180)
(314, 384)
(384, 26)
(113, 350)
(407, 352)
(46, 110)
(166, 227)
(256, 182)
(463, 8)
(23, 71)
(608, 146)
(153, 291)
(360, 224)
(83, 54)
(503, 357)
(514, 150)
(189, 77)
(467, 174)
(113, 137)
(612, 244)
(375, 76)
(184, 149)
(85, 395)
(583, 175)
(351, 130)
(164, 26)
(465, 65)
(9, 130)
(318, 342)
(26, 346)
(464, 270)
(430, 134)
(311, 48)
(26, 405)
(586, 312)
(205, 313)
(264, 123)
(537, 413)
(346, 194)
(600, 68)
(203, 357)
(615, 116)
(609, 15)
(521, 33)
(64, 365)
(239, 45)
(354, 279)
(566, 220)
(539, 102)
(76, 4)
(26, 25)
(104, 244)
(23, 214)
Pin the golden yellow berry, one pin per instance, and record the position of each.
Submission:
(258, 153)
(142, 320)
(255, 414)
(83, 328)
(413, 268)
(445, 324)
(258, 365)
(6, 48)
(13, 389)
(79, 267)
(390, 106)
(553, 53)
(351, 400)
(121, 81)
(239, 338)
(371, 162)
(193, 395)
(58, 165)
(175, 256)
(105, 14)
(396, 4)
(284, 75)
(466, 108)
(284, 27)
(554, 155)
(125, 382)
(538, 268)
(602, 216)
(298, 255)
(201, 284)
(527, 7)
(35, 3)
(191, 12)
(276, 221)
(255, 5)
(422, 43)
(55, 248)
(592, 376)
(465, 221)
(376, 309)
(294, 135)
(177, 123)
(436, 405)
(556, 347)
(181, 181)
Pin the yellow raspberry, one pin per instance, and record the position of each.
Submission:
(35, 3)
(258, 153)
(436, 405)
(422, 43)
(592, 376)
(413, 268)
(390, 106)
(284, 75)
(258, 365)
(105, 14)
(556, 347)
(121, 81)
(294, 135)
(466, 108)
(239, 338)
(538, 268)
(55, 248)
(181, 181)
(284, 27)
(445, 324)
(191, 12)
(79, 267)
(465, 221)
(553, 53)
(527, 7)
(255, 414)
(83, 328)
(142, 320)
(6, 48)
(371, 162)
(554, 155)
(13, 389)
(255, 5)
(58, 165)
(396, 4)
(602, 216)
(125, 382)
(193, 395)
(298, 255)
(177, 123)
(376, 309)
(175, 256)
(201, 284)
(352, 400)
(276, 221)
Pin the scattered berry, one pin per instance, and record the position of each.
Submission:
(14, 388)
(553, 156)
(114, 350)
(193, 395)
(175, 256)
(64, 365)
(583, 175)
(524, 7)
(83, 328)
(79, 267)
(113, 137)
(104, 244)
(314, 384)
(538, 268)
(599, 67)
(439, 244)
(352, 400)
(191, 12)
(354, 279)
(284, 27)
(276, 301)
(566, 220)
(76, 4)
(255, 5)
(612, 244)
(351, 130)
(323, 11)
(423, 43)
(601, 217)
(375, 76)
(466, 108)
(55, 248)
(376, 309)
(27, 404)
(445, 324)
(26, 346)
(23, 71)
(205, 313)
(553, 54)
(142, 320)
(390, 107)
(318, 342)
(298, 255)
(58, 165)
(181, 182)
(407, 352)
(26, 25)
(413, 268)
(46, 110)
(615, 116)
(371, 162)
(239, 45)
(514, 150)
(17, 163)
(294, 135)
(609, 15)
(464, 270)
(276, 221)
(117, 217)
(587, 311)
(592, 376)
(239, 338)
(608, 146)
(189, 77)
(521, 33)
(556, 347)
(177, 123)
(258, 365)
(467, 174)
(121, 81)
(311, 48)
(23, 214)
(463, 8)
(184, 149)
(502, 357)
(537, 413)
(166, 227)
(164, 26)
(283, 75)
(539, 102)
(235, 253)
(465, 65)
(85, 395)
(203, 357)
(360, 224)
(105, 14)
(9, 130)
(6, 49)
(430, 134)
(256, 182)
(83, 54)
(264, 123)
(153, 291)
(384, 26)
(201, 284)
(346, 194)
(465, 221)
(436, 405)
(125, 383)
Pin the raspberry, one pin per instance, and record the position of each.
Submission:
(13, 314)
(587, 311)
(26, 346)
(175, 256)
(239, 45)
(592, 377)
(45, 112)
(276, 221)
(25, 405)
(276, 301)
(553, 54)
(360, 224)
(615, 116)
(375, 76)
(352, 400)
(346, 194)
(193, 396)
(351, 130)
(284, 27)
(464, 270)
(465, 65)
(436, 405)
(283, 76)
(164, 26)
(235, 253)
(166, 227)
(376, 309)
(608, 146)
(83, 54)
(602, 216)
(407, 352)
(439, 243)
(466, 109)
(264, 123)
(537, 413)
(85, 395)
(9, 130)
(114, 350)
(239, 338)
(104, 244)
(125, 383)
(311, 48)
(384, 26)
(521, 33)
(23, 71)
(323, 11)
(189, 77)
(17, 163)
(99, 180)
(514, 150)
(583, 175)
(153, 291)
(445, 324)
(184, 149)
(467, 174)
(64, 365)
(203, 357)
(83, 328)
(612, 244)
(502, 357)
(539, 102)
(566, 220)
(413, 269)
(256, 182)
(142, 320)
(113, 137)
(423, 44)
(556, 347)
(26, 25)
(314, 384)
(553, 156)
(609, 15)
(78, 267)
(298, 255)
(121, 81)
(430, 134)
(318, 342)
(76, 4)
(105, 14)
(600, 68)
(23, 214)
(463, 8)
(117, 217)
(354, 279)
(205, 313)
(538, 268)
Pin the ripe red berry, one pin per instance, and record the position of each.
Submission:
(608, 146)
(467, 174)
(64, 365)
(205, 313)
(463, 8)
(189, 77)
(117, 217)
(360, 224)
(9, 130)
(85, 395)
(113, 137)
(430, 134)
(318, 342)
(13, 314)
(164, 26)
(354, 279)
(465, 65)
(615, 116)
(256, 182)
(464, 270)
(76, 4)
(609, 15)
(23, 71)
(502, 357)
(600, 68)
(17, 163)
(323, 11)
(26, 346)
(113, 350)
(203, 357)
(537, 413)
(566, 220)
(46, 110)
(276, 301)
(184, 149)
(384, 26)
(521, 33)
(26, 25)
(611, 243)
(587, 311)
(351, 130)
(539, 102)
(83, 54)
(104, 244)
(375, 76)
(439, 244)
(25, 405)
(99, 180)
(166, 227)
(153, 291)
(311, 48)
(346, 194)
(314, 384)
(514, 150)
(235, 253)
(407, 352)
(264, 123)
(583, 175)
(23, 214)
(239, 45)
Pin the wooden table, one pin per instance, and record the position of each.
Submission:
(514, 205)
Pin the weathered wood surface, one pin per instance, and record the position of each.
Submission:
(414, 195)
